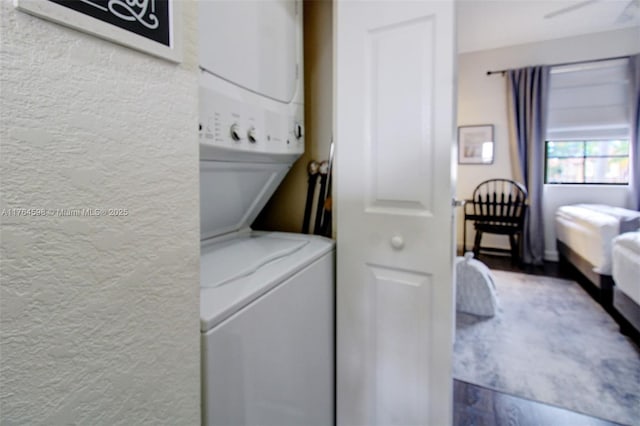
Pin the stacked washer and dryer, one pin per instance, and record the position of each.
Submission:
(266, 299)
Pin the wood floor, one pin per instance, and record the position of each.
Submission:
(503, 263)
(478, 406)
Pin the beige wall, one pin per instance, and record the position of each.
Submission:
(99, 316)
(482, 100)
(285, 210)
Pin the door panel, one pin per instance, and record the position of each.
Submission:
(394, 137)
(398, 86)
(401, 332)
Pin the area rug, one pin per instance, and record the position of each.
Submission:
(550, 342)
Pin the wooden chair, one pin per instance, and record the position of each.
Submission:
(499, 206)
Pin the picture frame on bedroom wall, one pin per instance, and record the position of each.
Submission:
(475, 144)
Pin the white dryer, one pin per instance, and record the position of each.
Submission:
(266, 299)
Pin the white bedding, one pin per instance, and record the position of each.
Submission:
(629, 220)
(626, 264)
(588, 233)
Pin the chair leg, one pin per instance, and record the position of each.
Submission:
(521, 247)
(464, 237)
(515, 256)
(476, 243)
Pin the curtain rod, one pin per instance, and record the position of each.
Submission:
(503, 72)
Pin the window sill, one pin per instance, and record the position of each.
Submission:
(586, 185)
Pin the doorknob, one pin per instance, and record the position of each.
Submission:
(458, 203)
(397, 242)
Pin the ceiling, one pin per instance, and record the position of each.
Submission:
(489, 24)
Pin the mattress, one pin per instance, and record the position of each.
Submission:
(588, 233)
(626, 264)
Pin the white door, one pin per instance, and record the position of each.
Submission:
(394, 137)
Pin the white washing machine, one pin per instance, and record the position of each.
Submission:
(266, 299)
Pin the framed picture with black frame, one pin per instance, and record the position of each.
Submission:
(150, 26)
(475, 144)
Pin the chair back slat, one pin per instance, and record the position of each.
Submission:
(493, 205)
(500, 202)
(512, 206)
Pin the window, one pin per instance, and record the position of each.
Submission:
(590, 162)
(587, 140)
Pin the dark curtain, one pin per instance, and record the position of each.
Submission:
(528, 90)
(634, 179)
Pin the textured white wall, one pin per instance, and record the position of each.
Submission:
(99, 316)
(482, 100)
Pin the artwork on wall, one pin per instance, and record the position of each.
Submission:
(475, 144)
(151, 26)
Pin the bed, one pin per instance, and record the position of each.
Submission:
(585, 233)
(625, 255)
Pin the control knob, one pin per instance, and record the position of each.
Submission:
(298, 131)
(252, 135)
(235, 132)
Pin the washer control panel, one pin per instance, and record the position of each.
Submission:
(232, 124)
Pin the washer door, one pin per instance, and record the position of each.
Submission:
(253, 44)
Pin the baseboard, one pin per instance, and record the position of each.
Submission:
(551, 255)
(459, 248)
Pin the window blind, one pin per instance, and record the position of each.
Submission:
(589, 101)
